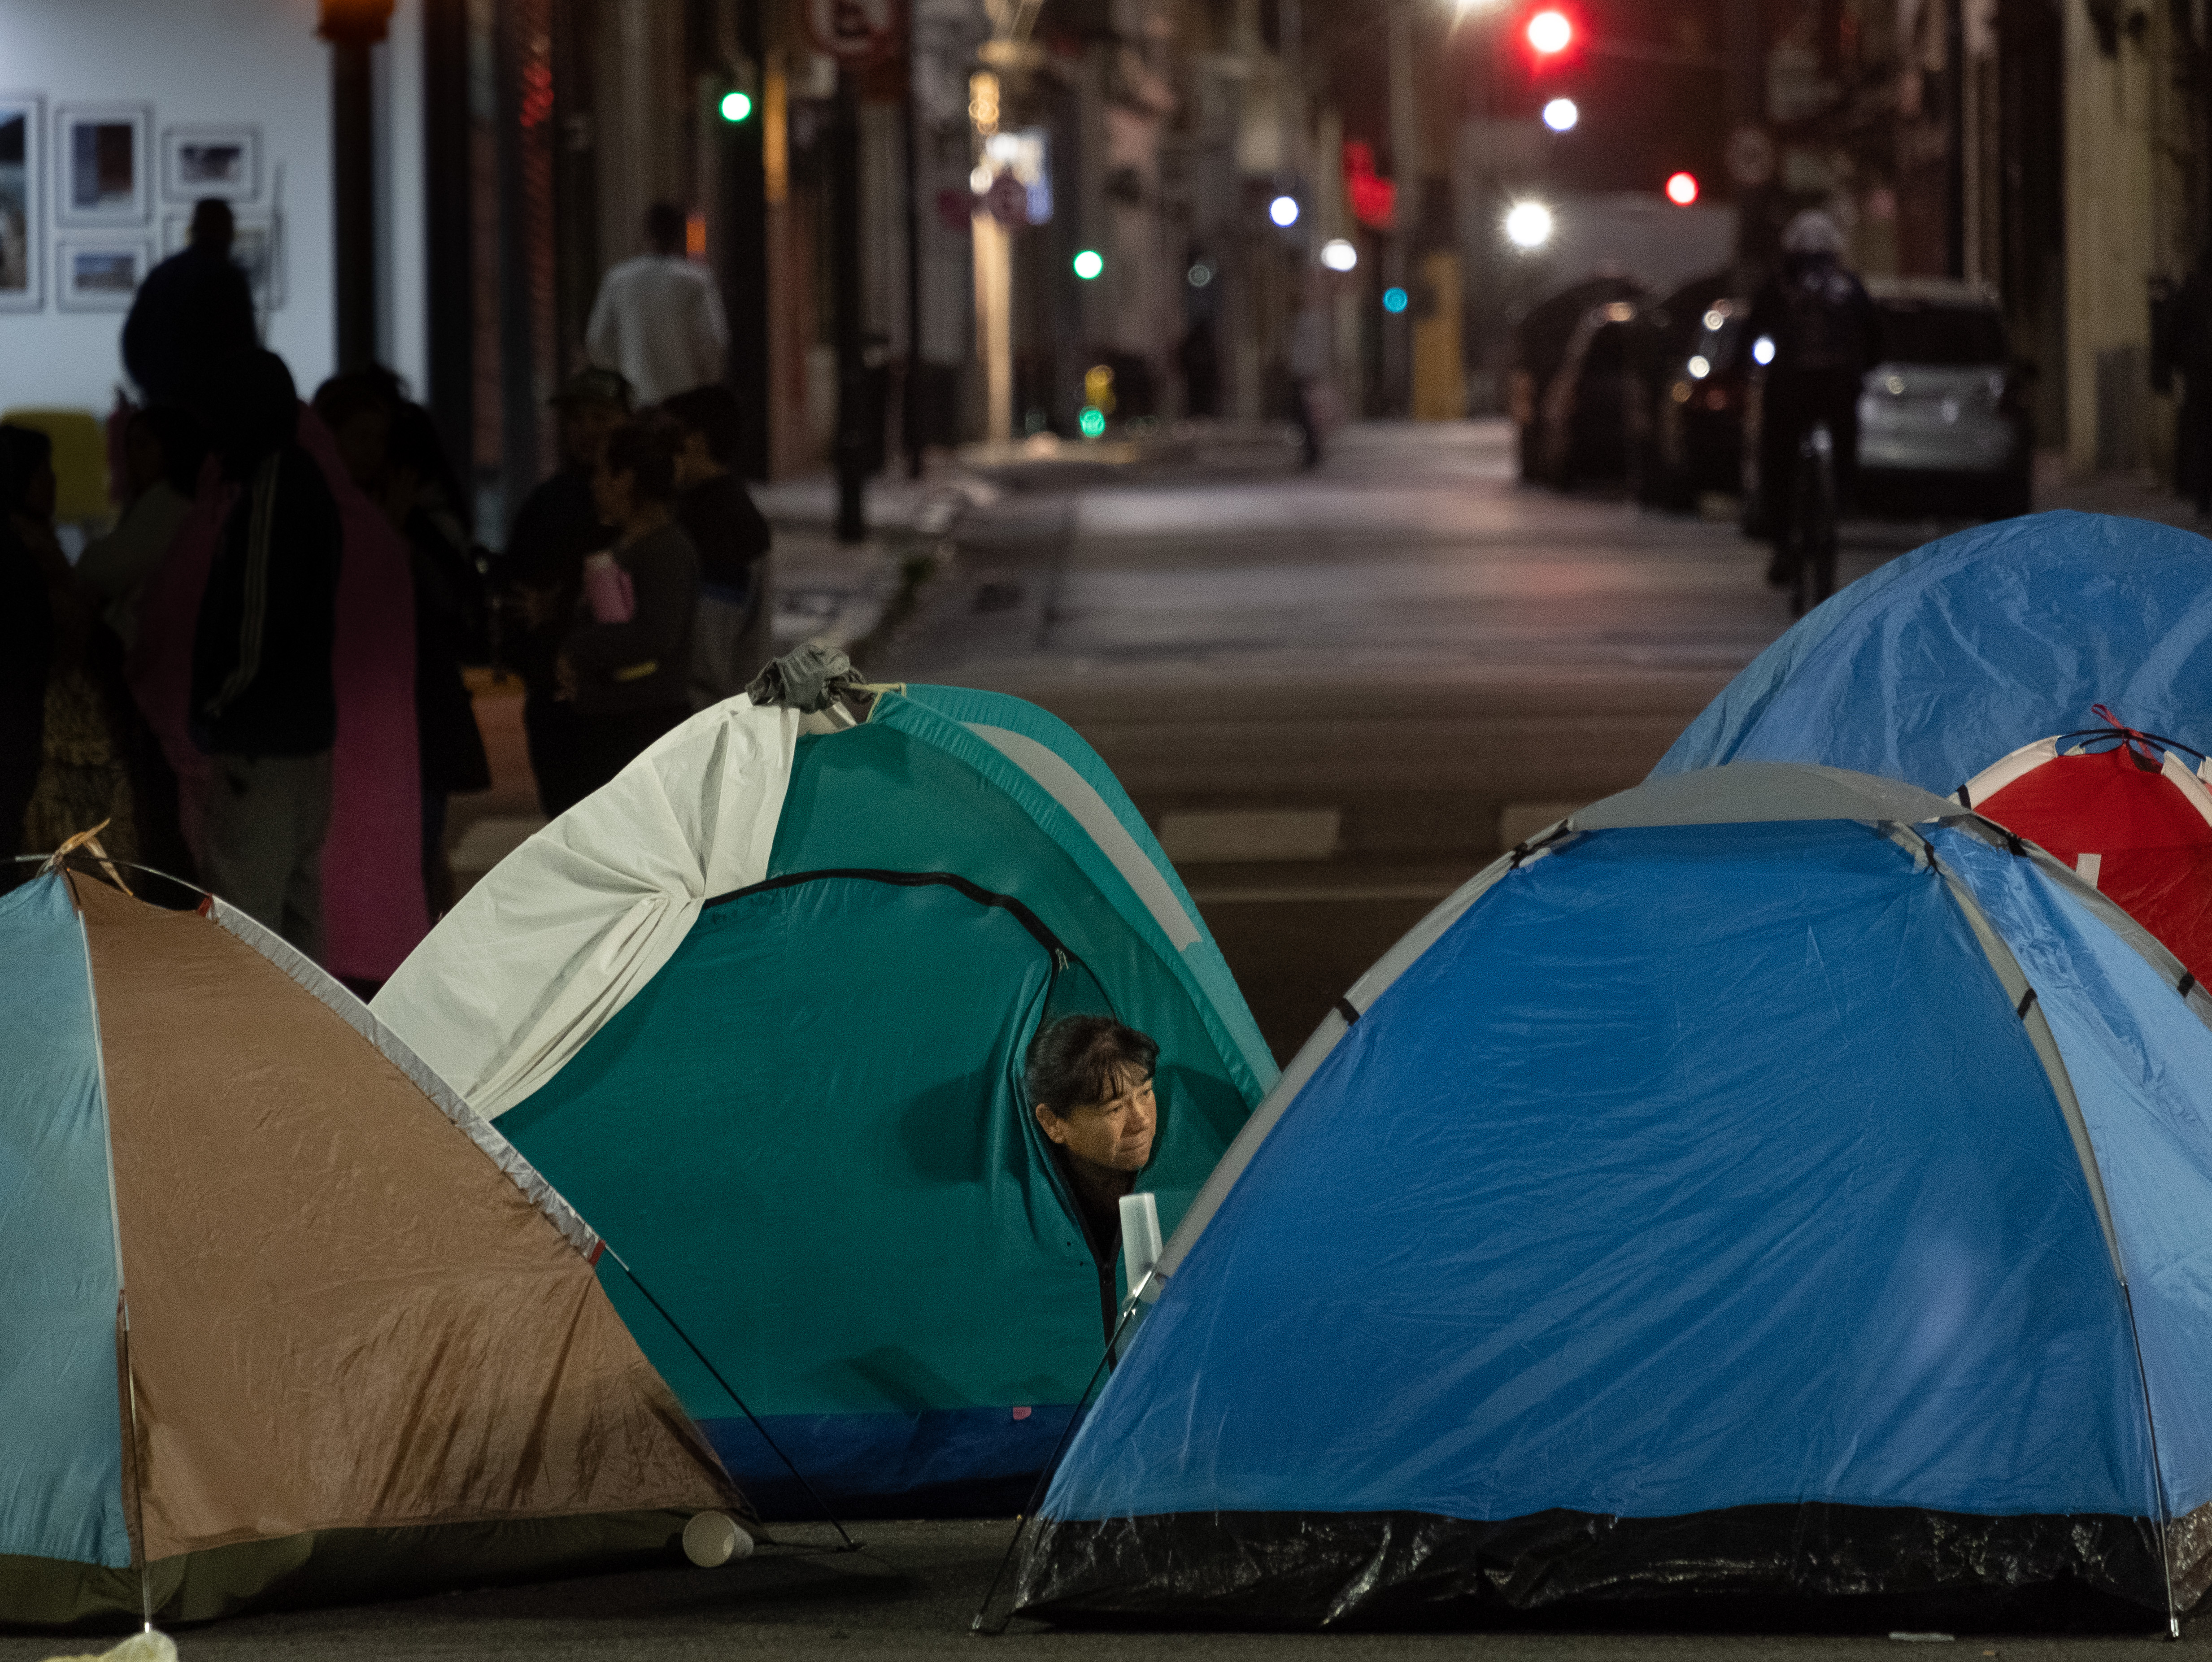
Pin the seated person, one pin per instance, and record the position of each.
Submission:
(1089, 1084)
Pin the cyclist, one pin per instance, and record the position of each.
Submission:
(1815, 333)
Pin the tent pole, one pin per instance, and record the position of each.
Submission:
(138, 1473)
(851, 1545)
(1036, 1495)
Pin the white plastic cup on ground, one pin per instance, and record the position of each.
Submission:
(711, 1539)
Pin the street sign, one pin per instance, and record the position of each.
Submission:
(856, 31)
(1750, 156)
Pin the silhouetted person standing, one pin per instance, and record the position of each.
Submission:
(1200, 357)
(629, 679)
(658, 319)
(194, 313)
(732, 637)
(264, 702)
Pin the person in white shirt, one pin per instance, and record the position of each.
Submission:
(658, 319)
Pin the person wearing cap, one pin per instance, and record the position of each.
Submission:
(658, 319)
(539, 577)
(1819, 333)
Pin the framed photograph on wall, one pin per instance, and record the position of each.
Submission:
(257, 248)
(211, 161)
(100, 274)
(103, 172)
(22, 180)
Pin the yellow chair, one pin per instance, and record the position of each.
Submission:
(79, 444)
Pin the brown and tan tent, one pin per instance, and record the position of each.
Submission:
(283, 1320)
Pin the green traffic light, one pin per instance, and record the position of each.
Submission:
(1093, 422)
(1089, 264)
(736, 106)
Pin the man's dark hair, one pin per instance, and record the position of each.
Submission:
(213, 223)
(664, 227)
(711, 412)
(645, 448)
(183, 448)
(1080, 1059)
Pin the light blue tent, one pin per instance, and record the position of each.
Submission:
(1935, 666)
(1773, 1181)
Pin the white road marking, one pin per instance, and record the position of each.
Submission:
(1287, 834)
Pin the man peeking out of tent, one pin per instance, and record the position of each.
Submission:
(1090, 1082)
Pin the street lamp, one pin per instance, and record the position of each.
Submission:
(1528, 225)
(1549, 33)
(1339, 255)
(1560, 115)
(1284, 211)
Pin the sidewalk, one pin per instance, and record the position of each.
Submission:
(2141, 496)
(837, 594)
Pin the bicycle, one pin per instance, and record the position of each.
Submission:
(1811, 535)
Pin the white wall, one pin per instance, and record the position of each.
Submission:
(213, 62)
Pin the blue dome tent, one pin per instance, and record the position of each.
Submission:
(1771, 1181)
(759, 1009)
(1957, 654)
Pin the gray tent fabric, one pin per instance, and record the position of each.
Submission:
(1751, 792)
(807, 678)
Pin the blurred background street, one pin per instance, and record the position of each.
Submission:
(1333, 695)
(1367, 424)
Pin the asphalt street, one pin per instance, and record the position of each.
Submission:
(912, 1592)
(1336, 695)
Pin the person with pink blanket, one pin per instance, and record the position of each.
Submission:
(372, 911)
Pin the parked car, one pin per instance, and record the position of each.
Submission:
(1943, 418)
(1540, 340)
(1583, 425)
(1687, 416)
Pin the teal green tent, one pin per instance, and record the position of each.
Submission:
(758, 1009)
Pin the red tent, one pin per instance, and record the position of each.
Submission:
(2129, 811)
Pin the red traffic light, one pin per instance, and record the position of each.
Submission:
(1549, 33)
(1682, 188)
